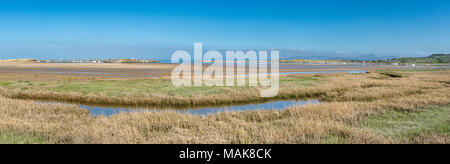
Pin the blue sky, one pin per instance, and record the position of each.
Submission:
(154, 29)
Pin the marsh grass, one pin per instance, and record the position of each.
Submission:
(356, 109)
(139, 87)
(154, 92)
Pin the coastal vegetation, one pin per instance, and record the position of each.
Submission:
(364, 108)
(433, 59)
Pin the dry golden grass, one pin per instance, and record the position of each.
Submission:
(368, 86)
(350, 99)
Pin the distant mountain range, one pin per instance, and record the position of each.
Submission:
(288, 54)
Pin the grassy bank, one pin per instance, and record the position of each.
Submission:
(371, 108)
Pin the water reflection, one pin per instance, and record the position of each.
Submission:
(275, 105)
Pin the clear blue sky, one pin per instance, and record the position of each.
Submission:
(133, 28)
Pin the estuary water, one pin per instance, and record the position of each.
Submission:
(96, 110)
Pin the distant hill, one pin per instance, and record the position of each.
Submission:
(433, 59)
(19, 61)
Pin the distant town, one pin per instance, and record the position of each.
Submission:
(435, 59)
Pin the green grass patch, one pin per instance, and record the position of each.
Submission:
(5, 83)
(405, 125)
(331, 139)
(390, 73)
(14, 138)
